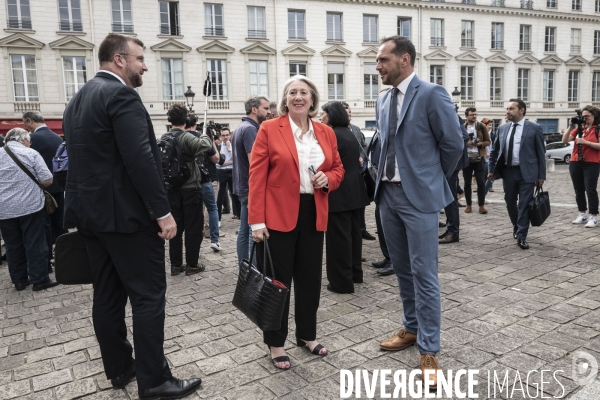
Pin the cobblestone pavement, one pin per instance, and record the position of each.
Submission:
(503, 309)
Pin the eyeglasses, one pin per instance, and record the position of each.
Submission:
(139, 58)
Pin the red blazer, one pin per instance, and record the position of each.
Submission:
(274, 186)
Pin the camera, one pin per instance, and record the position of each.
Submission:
(578, 120)
(212, 126)
(473, 138)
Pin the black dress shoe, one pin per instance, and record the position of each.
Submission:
(389, 270)
(515, 231)
(44, 285)
(172, 389)
(367, 236)
(443, 235)
(381, 264)
(21, 286)
(122, 380)
(522, 244)
(449, 238)
(441, 224)
(330, 288)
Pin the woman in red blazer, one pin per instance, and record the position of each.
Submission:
(294, 165)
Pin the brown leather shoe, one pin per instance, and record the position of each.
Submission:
(449, 238)
(468, 209)
(429, 363)
(443, 235)
(482, 210)
(399, 341)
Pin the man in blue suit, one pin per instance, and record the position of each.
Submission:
(421, 143)
(518, 157)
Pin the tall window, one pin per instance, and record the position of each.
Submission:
(218, 78)
(169, 17)
(596, 42)
(370, 28)
(576, 5)
(70, 15)
(497, 35)
(523, 84)
(74, 74)
(437, 32)
(436, 74)
(371, 79)
(172, 72)
(404, 27)
(18, 14)
(548, 85)
(525, 38)
(24, 77)
(550, 39)
(467, 83)
(573, 86)
(335, 81)
(575, 41)
(297, 68)
(496, 83)
(122, 21)
(296, 28)
(213, 20)
(256, 22)
(596, 86)
(551, 3)
(334, 26)
(259, 80)
(466, 34)
(597, 8)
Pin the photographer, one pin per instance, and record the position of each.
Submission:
(585, 162)
(478, 140)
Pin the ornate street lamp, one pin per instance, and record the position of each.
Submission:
(189, 97)
(456, 95)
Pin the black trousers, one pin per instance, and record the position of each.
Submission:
(129, 265)
(298, 256)
(479, 168)
(53, 226)
(381, 234)
(585, 179)
(226, 183)
(452, 214)
(517, 195)
(344, 249)
(186, 208)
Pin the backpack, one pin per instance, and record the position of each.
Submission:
(60, 165)
(175, 170)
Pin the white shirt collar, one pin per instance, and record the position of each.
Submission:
(521, 122)
(41, 126)
(113, 74)
(403, 86)
(297, 130)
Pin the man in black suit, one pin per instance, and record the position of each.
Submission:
(45, 142)
(115, 196)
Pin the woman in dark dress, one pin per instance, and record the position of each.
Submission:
(344, 241)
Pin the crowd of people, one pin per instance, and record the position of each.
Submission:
(288, 179)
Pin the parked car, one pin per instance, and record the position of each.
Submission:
(552, 137)
(559, 151)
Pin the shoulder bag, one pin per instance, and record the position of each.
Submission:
(49, 202)
(259, 297)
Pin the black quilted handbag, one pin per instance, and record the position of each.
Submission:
(539, 207)
(259, 297)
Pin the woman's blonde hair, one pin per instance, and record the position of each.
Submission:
(312, 112)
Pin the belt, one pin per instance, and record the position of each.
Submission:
(399, 183)
(515, 167)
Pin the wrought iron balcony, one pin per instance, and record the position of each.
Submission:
(525, 46)
(497, 44)
(172, 30)
(437, 41)
(468, 2)
(214, 32)
(528, 4)
(118, 27)
(470, 43)
(550, 47)
(575, 49)
(257, 34)
(16, 23)
(551, 3)
(74, 26)
(497, 3)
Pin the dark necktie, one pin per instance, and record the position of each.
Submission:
(390, 160)
(511, 144)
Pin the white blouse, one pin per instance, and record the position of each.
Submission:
(310, 153)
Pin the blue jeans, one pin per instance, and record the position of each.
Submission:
(244, 239)
(26, 248)
(208, 197)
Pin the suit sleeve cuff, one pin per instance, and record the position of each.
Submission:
(163, 217)
(255, 227)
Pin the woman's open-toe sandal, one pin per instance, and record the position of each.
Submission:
(280, 359)
(316, 351)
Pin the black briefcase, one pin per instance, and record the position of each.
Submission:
(539, 207)
(71, 262)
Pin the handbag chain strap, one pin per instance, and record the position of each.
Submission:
(20, 164)
(266, 256)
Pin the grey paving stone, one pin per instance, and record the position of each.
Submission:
(281, 384)
(69, 360)
(51, 379)
(28, 370)
(76, 389)
(14, 390)
(215, 364)
(186, 356)
(45, 353)
(88, 368)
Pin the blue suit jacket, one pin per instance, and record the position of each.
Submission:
(46, 142)
(428, 143)
(532, 155)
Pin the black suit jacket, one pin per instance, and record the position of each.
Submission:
(1, 141)
(463, 162)
(45, 142)
(115, 182)
(352, 193)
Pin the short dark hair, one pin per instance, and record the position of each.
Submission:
(402, 46)
(346, 105)
(225, 129)
(337, 114)
(254, 101)
(595, 111)
(33, 116)
(177, 114)
(470, 109)
(115, 44)
(520, 105)
(191, 120)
